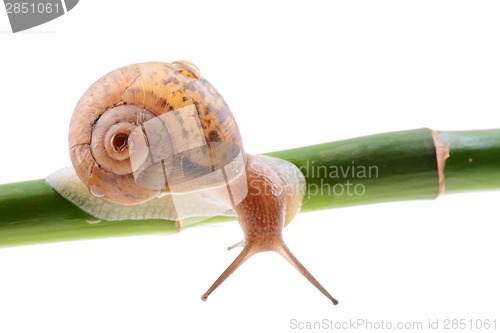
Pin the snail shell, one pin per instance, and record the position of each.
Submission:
(153, 128)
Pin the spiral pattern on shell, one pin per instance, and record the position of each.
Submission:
(151, 128)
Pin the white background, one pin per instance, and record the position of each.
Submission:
(294, 74)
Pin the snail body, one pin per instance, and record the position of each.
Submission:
(155, 129)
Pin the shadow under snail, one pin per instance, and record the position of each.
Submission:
(153, 130)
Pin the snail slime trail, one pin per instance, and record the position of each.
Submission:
(156, 140)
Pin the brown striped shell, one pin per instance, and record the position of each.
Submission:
(153, 128)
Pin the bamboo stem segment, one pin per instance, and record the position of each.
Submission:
(385, 167)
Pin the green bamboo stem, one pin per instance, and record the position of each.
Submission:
(397, 166)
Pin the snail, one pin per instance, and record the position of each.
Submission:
(154, 130)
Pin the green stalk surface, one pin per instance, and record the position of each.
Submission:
(385, 167)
